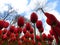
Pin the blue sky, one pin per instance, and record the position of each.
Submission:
(26, 7)
(58, 5)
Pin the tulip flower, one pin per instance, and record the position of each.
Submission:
(34, 17)
(44, 37)
(31, 30)
(50, 37)
(20, 21)
(39, 24)
(24, 30)
(55, 25)
(28, 26)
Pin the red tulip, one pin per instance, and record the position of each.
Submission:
(33, 42)
(41, 30)
(1, 24)
(32, 36)
(0, 32)
(1, 42)
(19, 29)
(4, 37)
(44, 37)
(51, 19)
(50, 16)
(57, 30)
(24, 30)
(12, 35)
(16, 30)
(51, 32)
(34, 17)
(22, 38)
(28, 26)
(25, 40)
(55, 35)
(37, 37)
(13, 38)
(55, 24)
(20, 21)
(12, 28)
(17, 35)
(8, 33)
(39, 43)
(19, 43)
(50, 37)
(6, 24)
(27, 35)
(50, 43)
(39, 24)
(31, 30)
(4, 31)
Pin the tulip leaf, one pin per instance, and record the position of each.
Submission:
(5, 43)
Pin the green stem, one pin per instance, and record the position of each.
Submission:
(41, 35)
(59, 42)
(5, 43)
(43, 43)
(35, 34)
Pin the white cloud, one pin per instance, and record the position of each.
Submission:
(42, 3)
(31, 6)
(20, 5)
(3, 8)
(34, 4)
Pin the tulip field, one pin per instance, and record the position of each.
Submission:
(12, 35)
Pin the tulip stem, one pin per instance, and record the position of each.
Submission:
(42, 10)
(59, 42)
(35, 34)
(5, 42)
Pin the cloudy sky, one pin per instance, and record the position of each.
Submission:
(26, 7)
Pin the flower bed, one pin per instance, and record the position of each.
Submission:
(12, 36)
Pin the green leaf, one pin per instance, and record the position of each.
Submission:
(5, 43)
(44, 43)
(14, 43)
(59, 42)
